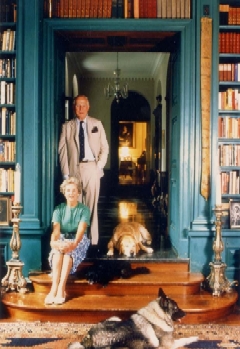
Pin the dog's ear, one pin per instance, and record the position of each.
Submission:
(161, 293)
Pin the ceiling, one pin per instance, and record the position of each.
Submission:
(95, 52)
(102, 64)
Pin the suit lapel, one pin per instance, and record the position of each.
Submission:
(74, 131)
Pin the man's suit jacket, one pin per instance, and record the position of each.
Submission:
(69, 151)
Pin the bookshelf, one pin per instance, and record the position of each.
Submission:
(7, 97)
(229, 105)
(164, 9)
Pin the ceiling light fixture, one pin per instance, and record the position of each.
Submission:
(115, 90)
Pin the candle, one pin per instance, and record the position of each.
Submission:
(218, 189)
(17, 185)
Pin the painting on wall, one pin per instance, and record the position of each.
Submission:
(234, 214)
(126, 134)
(5, 207)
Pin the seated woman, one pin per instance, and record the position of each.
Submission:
(69, 241)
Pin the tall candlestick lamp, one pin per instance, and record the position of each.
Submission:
(216, 281)
(14, 280)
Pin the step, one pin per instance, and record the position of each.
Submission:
(201, 308)
(87, 303)
(144, 284)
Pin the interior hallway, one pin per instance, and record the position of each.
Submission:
(128, 202)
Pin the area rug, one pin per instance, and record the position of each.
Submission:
(22, 335)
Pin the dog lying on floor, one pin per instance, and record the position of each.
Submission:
(151, 327)
(129, 238)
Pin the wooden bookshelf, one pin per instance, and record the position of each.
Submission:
(229, 105)
(165, 9)
(8, 16)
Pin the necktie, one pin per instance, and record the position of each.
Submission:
(81, 141)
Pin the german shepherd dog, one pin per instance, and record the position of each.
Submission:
(151, 327)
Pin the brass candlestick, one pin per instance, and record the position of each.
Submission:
(14, 279)
(217, 281)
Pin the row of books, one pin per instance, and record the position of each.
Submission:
(117, 8)
(229, 15)
(230, 182)
(229, 71)
(7, 92)
(7, 122)
(229, 154)
(6, 180)
(7, 67)
(229, 42)
(7, 151)
(8, 40)
(8, 11)
(228, 127)
(229, 99)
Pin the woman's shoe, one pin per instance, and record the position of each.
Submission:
(59, 300)
(49, 299)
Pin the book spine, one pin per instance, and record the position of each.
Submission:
(120, 9)
(141, 8)
(114, 9)
(100, 9)
(174, 8)
(164, 8)
(105, 6)
(65, 8)
(182, 8)
(74, 8)
(187, 9)
(220, 72)
(109, 9)
(159, 8)
(70, 8)
(61, 8)
(169, 9)
(230, 16)
(136, 8)
(87, 9)
(152, 9)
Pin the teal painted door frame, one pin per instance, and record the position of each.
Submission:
(40, 96)
(186, 28)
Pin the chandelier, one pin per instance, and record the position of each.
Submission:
(115, 90)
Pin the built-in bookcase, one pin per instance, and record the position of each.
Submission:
(164, 9)
(7, 96)
(229, 105)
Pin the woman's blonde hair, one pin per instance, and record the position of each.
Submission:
(70, 180)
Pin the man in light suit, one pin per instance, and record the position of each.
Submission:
(87, 167)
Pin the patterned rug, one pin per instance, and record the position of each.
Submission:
(48, 335)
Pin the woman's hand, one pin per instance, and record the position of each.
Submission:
(67, 246)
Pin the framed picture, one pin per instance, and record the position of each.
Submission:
(126, 134)
(234, 214)
(5, 210)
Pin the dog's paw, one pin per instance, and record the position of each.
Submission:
(110, 253)
(149, 250)
(75, 345)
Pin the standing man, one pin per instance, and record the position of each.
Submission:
(83, 152)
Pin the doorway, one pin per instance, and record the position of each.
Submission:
(181, 115)
(132, 152)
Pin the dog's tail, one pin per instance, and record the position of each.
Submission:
(182, 342)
